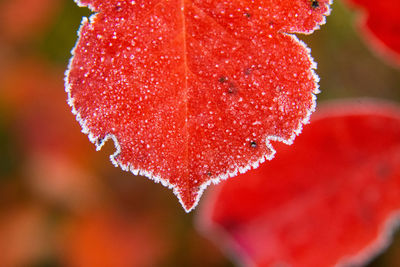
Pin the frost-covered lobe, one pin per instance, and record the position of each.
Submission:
(192, 91)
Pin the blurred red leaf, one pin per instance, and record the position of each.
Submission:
(26, 88)
(21, 19)
(331, 198)
(380, 25)
(56, 159)
(193, 91)
(23, 234)
(108, 238)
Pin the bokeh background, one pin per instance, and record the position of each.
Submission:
(64, 204)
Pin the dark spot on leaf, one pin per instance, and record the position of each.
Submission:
(118, 8)
(232, 88)
(231, 224)
(208, 173)
(247, 71)
(314, 3)
(253, 144)
(99, 141)
(222, 79)
(248, 15)
(383, 171)
(366, 214)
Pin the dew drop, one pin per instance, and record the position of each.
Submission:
(222, 79)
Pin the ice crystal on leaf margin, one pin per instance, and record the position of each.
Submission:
(171, 80)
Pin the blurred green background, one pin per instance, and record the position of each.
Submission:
(64, 204)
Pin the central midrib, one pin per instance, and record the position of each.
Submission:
(186, 156)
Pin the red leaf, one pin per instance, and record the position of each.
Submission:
(192, 91)
(380, 25)
(36, 14)
(109, 238)
(55, 154)
(23, 234)
(329, 199)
